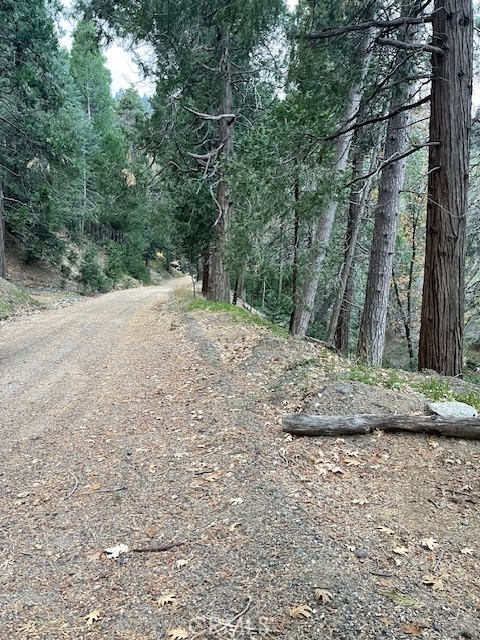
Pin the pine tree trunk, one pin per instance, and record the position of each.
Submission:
(373, 325)
(304, 304)
(442, 322)
(2, 235)
(296, 244)
(338, 332)
(371, 339)
(219, 278)
(342, 331)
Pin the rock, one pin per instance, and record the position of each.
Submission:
(344, 391)
(361, 553)
(452, 409)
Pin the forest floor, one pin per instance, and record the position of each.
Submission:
(128, 420)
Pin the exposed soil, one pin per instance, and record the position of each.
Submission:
(127, 421)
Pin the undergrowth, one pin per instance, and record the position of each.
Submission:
(188, 303)
(238, 314)
(434, 388)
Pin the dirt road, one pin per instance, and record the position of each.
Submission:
(126, 421)
(61, 365)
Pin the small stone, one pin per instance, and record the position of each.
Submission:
(344, 391)
(361, 553)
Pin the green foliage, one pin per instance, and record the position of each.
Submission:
(114, 264)
(13, 298)
(91, 274)
(434, 387)
(237, 314)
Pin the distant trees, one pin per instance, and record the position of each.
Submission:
(31, 81)
(271, 158)
(204, 58)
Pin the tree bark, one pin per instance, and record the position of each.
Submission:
(373, 324)
(219, 277)
(371, 339)
(296, 245)
(303, 424)
(351, 236)
(338, 332)
(341, 340)
(442, 320)
(304, 304)
(2, 235)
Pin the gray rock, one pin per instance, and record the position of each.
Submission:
(452, 409)
(344, 391)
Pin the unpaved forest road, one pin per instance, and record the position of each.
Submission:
(60, 365)
(125, 421)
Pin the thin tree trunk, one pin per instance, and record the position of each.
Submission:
(406, 324)
(356, 212)
(373, 325)
(407, 314)
(304, 304)
(219, 278)
(353, 227)
(2, 235)
(442, 321)
(342, 332)
(371, 339)
(206, 273)
(296, 241)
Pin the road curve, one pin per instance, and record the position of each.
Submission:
(57, 365)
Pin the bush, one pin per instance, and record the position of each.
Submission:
(91, 274)
(114, 265)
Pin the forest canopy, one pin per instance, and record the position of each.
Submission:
(316, 162)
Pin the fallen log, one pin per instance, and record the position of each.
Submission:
(304, 424)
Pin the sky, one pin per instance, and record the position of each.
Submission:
(119, 61)
(125, 72)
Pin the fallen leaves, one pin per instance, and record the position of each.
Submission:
(167, 599)
(301, 612)
(429, 543)
(177, 634)
(180, 563)
(414, 628)
(400, 551)
(322, 596)
(434, 582)
(93, 616)
(115, 552)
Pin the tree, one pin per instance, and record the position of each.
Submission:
(304, 304)
(204, 52)
(92, 81)
(442, 321)
(371, 338)
(32, 95)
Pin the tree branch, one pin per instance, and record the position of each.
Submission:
(362, 26)
(208, 116)
(358, 125)
(408, 46)
(206, 156)
(394, 158)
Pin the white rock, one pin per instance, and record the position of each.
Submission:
(452, 409)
